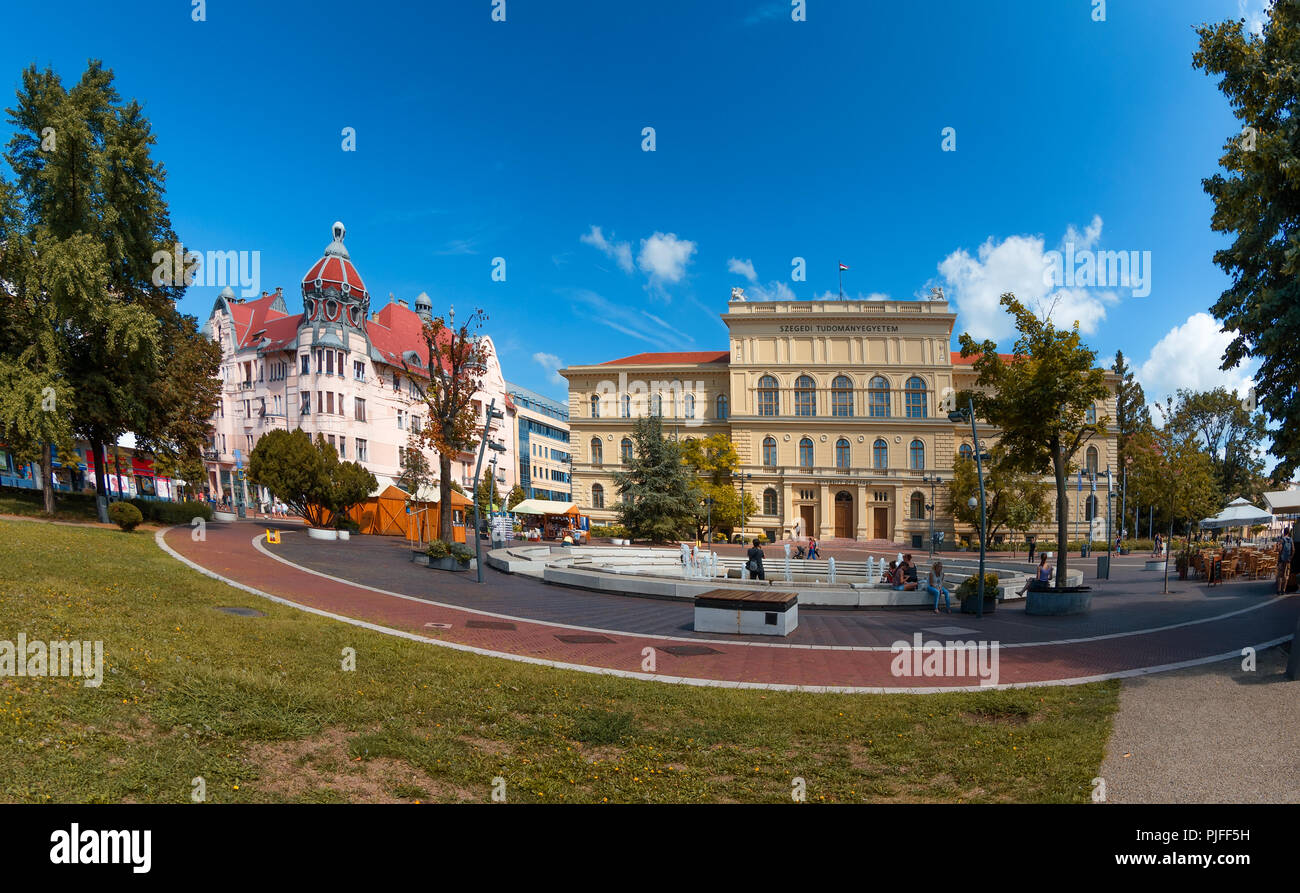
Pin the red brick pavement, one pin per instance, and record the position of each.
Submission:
(228, 551)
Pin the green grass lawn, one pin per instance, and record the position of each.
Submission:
(67, 506)
(260, 708)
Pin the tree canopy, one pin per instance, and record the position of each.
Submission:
(656, 499)
(1256, 198)
(308, 477)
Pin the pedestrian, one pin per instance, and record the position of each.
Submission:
(934, 584)
(1033, 544)
(812, 548)
(1285, 551)
(755, 563)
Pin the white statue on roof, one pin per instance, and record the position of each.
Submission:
(737, 294)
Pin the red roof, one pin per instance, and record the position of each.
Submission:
(396, 329)
(673, 359)
(281, 331)
(251, 316)
(336, 271)
(959, 360)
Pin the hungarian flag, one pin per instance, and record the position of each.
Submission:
(844, 267)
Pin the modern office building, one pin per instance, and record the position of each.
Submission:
(543, 446)
(835, 408)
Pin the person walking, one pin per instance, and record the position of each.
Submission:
(755, 563)
(934, 584)
(1033, 544)
(812, 548)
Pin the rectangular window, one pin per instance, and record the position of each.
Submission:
(306, 363)
(401, 420)
(330, 438)
(417, 423)
(329, 362)
(343, 447)
(305, 403)
(342, 364)
(329, 402)
(360, 408)
(361, 450)
(320, 402)
(359, 370)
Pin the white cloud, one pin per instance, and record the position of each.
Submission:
(663, 258)
(1255, 12)
(1017, 264)
(621, 252)
(776, 290)
(742, 268)
(629, 321)
(552, 364)
(829, 295)
(1189, 356)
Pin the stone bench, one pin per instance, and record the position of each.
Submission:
(760, 612)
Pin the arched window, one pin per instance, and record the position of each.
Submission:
(806, 453)
(805, 396)
(657, 405)
(918, 506)
(1091, 415)
(918, 455)
(1090, 509)
(880, 455)
(597, 496)
(842, 454)
(966, 452)
(842, 396)
(689, 411)
(595, 406)
(721, 411)
(769, 451)
(769, 501)
(625, 451)
(878, 397)
(1092, 462)
(627, 406)
(766, 402)
(916, 401)
(597, 451)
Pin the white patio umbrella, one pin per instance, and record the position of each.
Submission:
(1239, 513)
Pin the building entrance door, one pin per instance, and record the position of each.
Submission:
(806, 514)
(843, 515)
(881, 527)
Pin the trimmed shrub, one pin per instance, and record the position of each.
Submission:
(125, 515)
(164, 512)
(437, 550)
(608, 530)
(969, 587)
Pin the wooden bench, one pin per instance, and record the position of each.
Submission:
(758, 612)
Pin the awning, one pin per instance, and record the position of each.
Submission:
(1239, 513)
(545, 507)
(1284, 502)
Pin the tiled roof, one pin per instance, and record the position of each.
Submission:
(959, 360)
(672, 358)
(251, 316)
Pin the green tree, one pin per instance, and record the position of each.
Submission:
(1043, 400)
(1176, 474)
(416, 469)
(1257, 203)
(656, 500)
(308, 477)
(1231, 436)
(1131, 412)
(487, 495)
(515, 496)
(1014, 499)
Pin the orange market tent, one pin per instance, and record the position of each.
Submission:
(385, 513)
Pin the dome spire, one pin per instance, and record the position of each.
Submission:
(335, 248)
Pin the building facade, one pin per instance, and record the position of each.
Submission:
(544, 455)
(836, 409)
(336, 369)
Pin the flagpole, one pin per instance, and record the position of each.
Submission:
(840, 264)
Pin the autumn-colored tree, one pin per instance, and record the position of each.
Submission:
(713, 460)
(457, 360)
(1014, 499)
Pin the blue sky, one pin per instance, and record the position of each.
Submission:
(774, 140)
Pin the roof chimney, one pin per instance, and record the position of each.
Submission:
(401, 302)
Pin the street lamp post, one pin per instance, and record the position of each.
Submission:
(962, 415)
(742, 480)
(932, 480)
(708, 507)
(485, 444)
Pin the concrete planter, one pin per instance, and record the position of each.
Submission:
(1059, 602)
(225, 516)
(344, 534)
(447, 564)
(970, 604)
(321, 533)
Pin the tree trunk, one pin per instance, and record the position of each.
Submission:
(101, 477)
(1062, 513)
(444, 498)
(47, 468)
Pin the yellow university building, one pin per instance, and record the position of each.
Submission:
(836, 409)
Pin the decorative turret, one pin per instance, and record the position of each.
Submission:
(333, 291)
(424, 307)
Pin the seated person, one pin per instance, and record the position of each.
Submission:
(888, 575)
(905, 575)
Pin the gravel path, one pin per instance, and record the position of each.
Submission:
(1210, 734)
